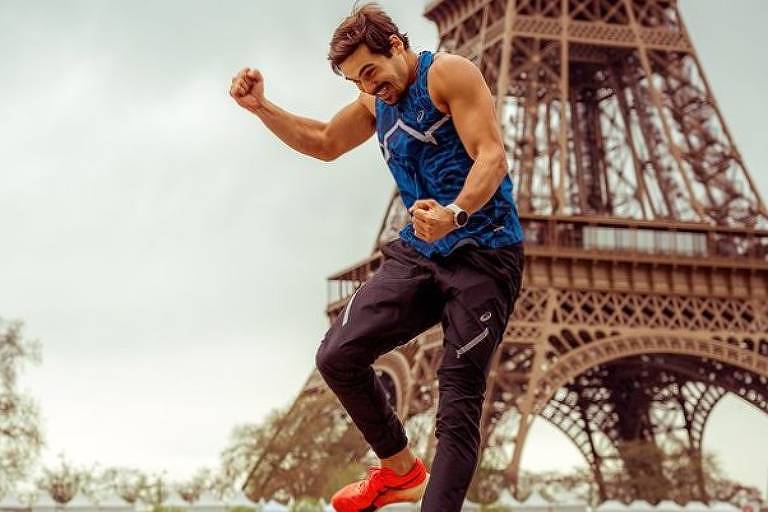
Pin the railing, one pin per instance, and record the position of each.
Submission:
(625, 238)
(344, 283)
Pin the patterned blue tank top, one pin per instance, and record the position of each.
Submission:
(428, 161)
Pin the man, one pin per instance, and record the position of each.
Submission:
(459, 261)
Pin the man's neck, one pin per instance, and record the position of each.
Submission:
(413, 63)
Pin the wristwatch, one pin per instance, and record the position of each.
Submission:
(460, 217)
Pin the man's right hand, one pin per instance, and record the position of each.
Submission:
(248, 89)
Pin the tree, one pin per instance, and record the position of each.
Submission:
(62, 482)
(20, 436)
(154, 491)
(245, 446)
(191, 489)
(221, 486)
(306, 505)
(303, 449)
(128, 484)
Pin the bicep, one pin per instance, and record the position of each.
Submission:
(350, 127)
(471, 107)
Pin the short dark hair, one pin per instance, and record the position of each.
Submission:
(368, 24)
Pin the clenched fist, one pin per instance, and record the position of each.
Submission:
(248, 89)
(431, 220)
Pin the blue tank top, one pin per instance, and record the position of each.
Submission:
(428, 161)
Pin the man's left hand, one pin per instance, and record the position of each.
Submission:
(431, 220)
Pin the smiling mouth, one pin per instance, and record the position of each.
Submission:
(382, 91)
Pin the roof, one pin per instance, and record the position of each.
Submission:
(273, 506)
(535, 499)
(611, 506)
(11, 501)
(239, 500)
(668, 506)
(696, 506)
(506, 499)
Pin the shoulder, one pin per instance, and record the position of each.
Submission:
(448, 68)
(367, 101)
(452, 75)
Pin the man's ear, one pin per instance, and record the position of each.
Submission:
(395, 43)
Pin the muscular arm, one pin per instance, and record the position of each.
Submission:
(349, 128)
(457, 87)
(457, 84)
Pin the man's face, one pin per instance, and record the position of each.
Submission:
(381, 76)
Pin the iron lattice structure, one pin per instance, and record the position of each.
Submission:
(645, 294)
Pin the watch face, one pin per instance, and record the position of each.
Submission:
(462, 218)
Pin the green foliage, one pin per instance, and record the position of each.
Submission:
(62, 483)
(493, 508)
(166, 509)
(21, 438)
(254, 508)
(306, 505)
(154, 490)
(127, 483)
(191, 489)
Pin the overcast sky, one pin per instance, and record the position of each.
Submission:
(171, 255)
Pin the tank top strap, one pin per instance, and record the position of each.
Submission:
(425, 62)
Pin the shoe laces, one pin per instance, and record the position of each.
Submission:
(375, 474)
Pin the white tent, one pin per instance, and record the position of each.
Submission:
(612, 506)
(535, 502)
(209, 503)
(696, 506)
(11, 502)
(506, 500)
(44, 503)
(668, 506)
(640, 506)
(274, 506)
(175, 501)
(399, 507)
(724, 506)
(468, 506)
(566, 501)
(114, 503)
(80, 503)
(241, 500)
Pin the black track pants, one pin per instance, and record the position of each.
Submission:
(471, 293)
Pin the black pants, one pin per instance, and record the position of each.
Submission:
(472, 293)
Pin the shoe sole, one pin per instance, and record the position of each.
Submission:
(412, 494)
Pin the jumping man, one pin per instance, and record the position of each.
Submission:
(459, 262)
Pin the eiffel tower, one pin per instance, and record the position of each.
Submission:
(645, 294)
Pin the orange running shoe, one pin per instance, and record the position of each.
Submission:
(382, 486)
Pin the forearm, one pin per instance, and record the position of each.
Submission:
(483, 180)
(300, 133)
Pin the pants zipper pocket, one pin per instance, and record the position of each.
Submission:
(477, 339)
